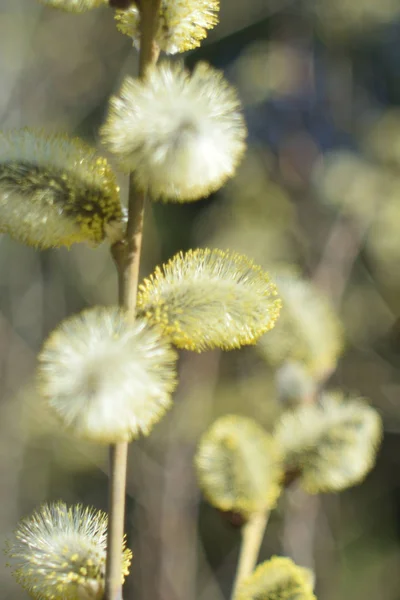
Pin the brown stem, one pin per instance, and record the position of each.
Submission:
(127, 257)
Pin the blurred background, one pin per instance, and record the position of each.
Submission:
(316, 201)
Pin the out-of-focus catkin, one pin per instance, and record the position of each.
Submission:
(331, 444)
(278, 579)
(239, 466)
(56, 190)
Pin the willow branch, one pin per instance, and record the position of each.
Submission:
(127, 257)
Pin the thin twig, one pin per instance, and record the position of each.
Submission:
(252, 537)
(198, 373)
(339, 255)
(127, 257)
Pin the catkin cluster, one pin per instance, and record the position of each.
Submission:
(109, 376)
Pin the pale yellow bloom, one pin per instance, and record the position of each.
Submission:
(239, 466)
(55, 190)
(331, 444)
(182, 135)
(107, 379)
(210, 299)
(182, 24)
(278, 579)
(59, 552)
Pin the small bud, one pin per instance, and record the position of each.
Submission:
(182, 24)
(332, 444)
(107, 380)
(55, 191)
(60, 552)
(278, 579)
(239, 466)
(182, 135)
(294, 384)
(210, 299)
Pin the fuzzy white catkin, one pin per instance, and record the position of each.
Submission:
(308, 331)
(107, 380)
(332, 443)
(182, 135)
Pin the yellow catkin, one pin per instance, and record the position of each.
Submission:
(210, 299)
(239, 466)
(182, 24)
(278, 579)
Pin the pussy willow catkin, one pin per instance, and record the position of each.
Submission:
(59, 552)
(181, 134)
(55, 191)
(210, 299)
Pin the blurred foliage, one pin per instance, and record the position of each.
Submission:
(319, 190)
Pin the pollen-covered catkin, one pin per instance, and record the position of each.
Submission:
(182, 24)
(59, 552)
(107, 379)
(55, 191)
(210, 299)
(181, 135)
